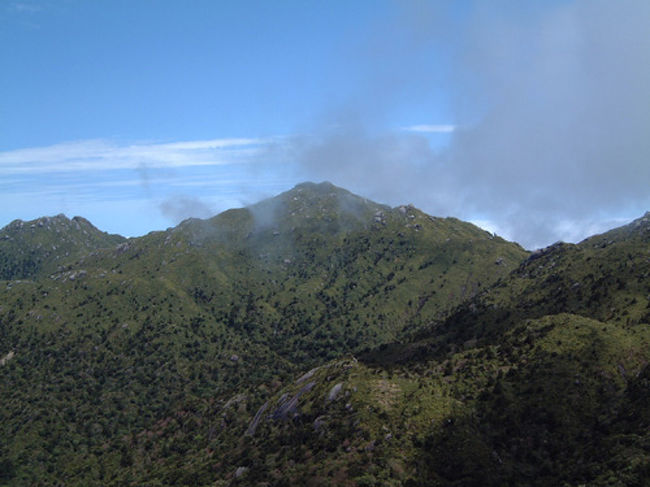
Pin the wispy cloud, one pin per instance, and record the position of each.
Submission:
(165, 182)
(25, 7)
(431, 129)
(177, 208)
(107, 155)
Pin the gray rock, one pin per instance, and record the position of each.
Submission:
(290, 407)
(234, 400)
(334, 392)
(252, 427)
(307, 375)
(319, 423)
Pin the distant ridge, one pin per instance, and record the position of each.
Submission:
(30, 248)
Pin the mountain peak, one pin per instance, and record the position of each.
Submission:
(314, 205)
(320, 190)
(55, 222)
(28, 248)
(310, 185)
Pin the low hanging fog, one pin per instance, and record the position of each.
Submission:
(552, 119)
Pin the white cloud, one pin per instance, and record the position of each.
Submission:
(208, 144)
(106, 155)
(552, 105)
(431, 129)
(158, 183)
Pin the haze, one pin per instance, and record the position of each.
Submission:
(531, 119)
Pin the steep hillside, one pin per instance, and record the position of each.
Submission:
(314, 272)
(605, 277)
(537, 381)
(318, 338)
(561, 401)
(39, 247)
(132, 338)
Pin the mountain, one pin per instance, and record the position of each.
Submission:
(604, 277)
(318, 338)
(541, 379)
(38, 247)
(112, 340)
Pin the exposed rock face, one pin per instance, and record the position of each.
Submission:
(7, 357)
(334, 392)
(256, 420)
(290, 407)
(307, 375)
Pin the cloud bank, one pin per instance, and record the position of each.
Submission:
(553, 101)
(546, 136)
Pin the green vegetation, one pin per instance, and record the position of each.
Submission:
(38, 247)
(438, 354)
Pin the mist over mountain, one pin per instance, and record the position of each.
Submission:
(320, 338)
(461, 299)
(547, 135)
(529, 119)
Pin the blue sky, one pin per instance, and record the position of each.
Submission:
(530, 118)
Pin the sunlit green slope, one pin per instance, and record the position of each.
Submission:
(542, 379)
(122, 335)
(38, 247)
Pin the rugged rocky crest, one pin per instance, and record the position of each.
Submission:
(38, 247)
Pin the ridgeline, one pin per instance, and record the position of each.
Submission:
(318, 338)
